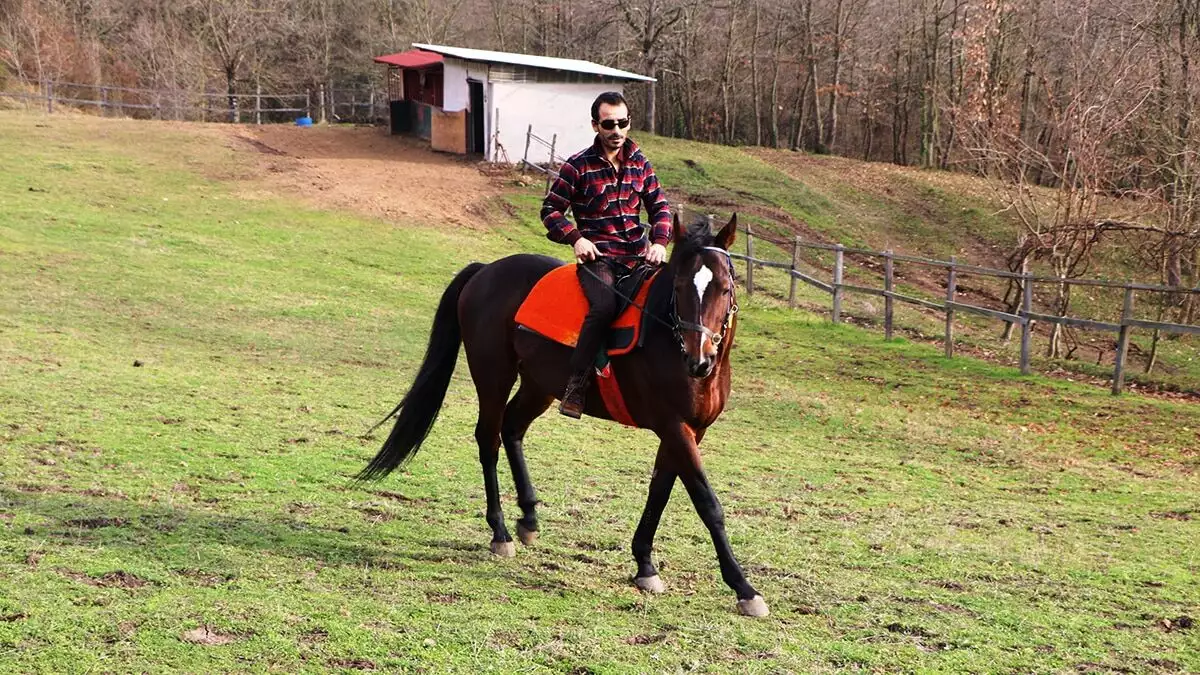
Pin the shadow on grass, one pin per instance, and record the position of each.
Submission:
(170, 535)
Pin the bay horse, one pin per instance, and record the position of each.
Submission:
(675, 385)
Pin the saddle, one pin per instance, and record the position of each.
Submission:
(556, 306)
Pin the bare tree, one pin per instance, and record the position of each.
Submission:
(35, 42)
(1092, 93)
(650, 22)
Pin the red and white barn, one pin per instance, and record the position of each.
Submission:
(476, 101)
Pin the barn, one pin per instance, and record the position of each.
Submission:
(473, 101)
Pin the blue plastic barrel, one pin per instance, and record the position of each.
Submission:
(304, 121)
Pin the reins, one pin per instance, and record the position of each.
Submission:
(678, 325)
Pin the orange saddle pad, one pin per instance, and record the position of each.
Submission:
(556, 306)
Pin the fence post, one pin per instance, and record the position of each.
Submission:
(550, 166)
(951, 280)
(104, 101)
(321, 103)
(1027, 327)
(525, 157)
(839, 259)
(49, 89)
(491, 143)
(1118, 382)
(257, 102)
(308, 103)
(888, 288)
(795, 265)
(749, 261)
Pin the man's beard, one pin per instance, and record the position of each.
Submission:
(614, 140)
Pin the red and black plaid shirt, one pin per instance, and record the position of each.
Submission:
(605, 205)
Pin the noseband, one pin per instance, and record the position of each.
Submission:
(680, 325)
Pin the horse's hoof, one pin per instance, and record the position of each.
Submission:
(755, 606)
(504, 549)
(527, 537)
(652, 584)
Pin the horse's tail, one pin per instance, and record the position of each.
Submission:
(420, 406)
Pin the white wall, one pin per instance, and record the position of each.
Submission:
(551, 107)
(456, 96)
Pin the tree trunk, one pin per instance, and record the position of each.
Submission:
(800, 115)
(775, 83)
(231, 91)
(754, 93)
(727, 126)
(831, 116)
(498, 15)
(1062, 302)
(652, 97)
(813, 78)
(930, 113)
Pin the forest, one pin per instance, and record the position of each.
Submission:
(1082, 112)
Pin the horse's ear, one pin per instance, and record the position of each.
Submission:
(727, 234)
(678, 234)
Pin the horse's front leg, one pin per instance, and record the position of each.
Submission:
(685, 453)
(643, 538)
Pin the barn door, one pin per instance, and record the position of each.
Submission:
(475, 133)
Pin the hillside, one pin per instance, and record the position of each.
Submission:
(930, 214)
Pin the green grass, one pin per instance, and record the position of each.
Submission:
(899, 511)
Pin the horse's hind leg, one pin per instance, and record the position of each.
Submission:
(492, 384)
(522, 410)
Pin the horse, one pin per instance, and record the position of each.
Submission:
(675, 384)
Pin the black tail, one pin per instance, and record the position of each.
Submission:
(421, 404)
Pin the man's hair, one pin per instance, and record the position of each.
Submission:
(609, 97)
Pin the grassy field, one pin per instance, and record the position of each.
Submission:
(187, 372)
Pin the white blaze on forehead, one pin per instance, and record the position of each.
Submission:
(703, 277)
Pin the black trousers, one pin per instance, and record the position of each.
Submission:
(597, 279)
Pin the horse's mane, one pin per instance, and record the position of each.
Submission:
(697, 235)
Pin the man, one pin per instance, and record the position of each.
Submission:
(605, 186)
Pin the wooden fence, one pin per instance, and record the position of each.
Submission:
(549, 167)
(1024, 316)
(327, 103)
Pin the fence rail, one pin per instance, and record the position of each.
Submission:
(353, 105)
(553, 161)
(1024, 316)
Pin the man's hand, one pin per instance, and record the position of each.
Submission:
(585, 251)
(657, 254)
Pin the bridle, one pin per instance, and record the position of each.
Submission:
(680, 325)
(677, 325)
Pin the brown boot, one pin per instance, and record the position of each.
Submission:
(572, 400)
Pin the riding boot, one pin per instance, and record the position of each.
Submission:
(573, 397)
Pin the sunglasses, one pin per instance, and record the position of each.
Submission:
(609, 125)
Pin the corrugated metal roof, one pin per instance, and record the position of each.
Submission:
(549, 62)
(413, 58)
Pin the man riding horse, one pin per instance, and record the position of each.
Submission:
(676, 382)
(604, 186)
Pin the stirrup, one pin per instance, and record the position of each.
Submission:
(573, 399)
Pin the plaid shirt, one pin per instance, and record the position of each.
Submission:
(606, 206)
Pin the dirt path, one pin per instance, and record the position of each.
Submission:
(367, 171)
